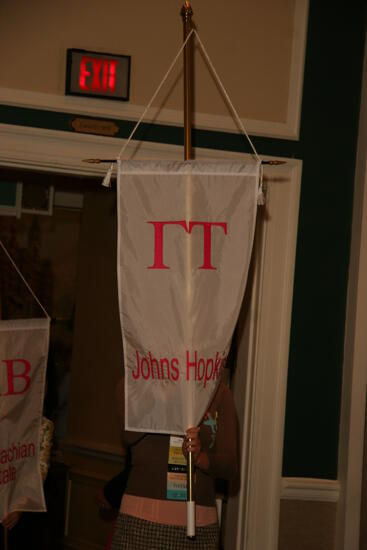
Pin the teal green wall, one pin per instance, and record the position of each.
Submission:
(329, 129)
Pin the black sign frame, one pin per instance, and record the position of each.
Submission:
(91, 94)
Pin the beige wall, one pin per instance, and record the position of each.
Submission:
(249, 42)
(307, 525)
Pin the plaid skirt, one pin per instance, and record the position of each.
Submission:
(132, 533)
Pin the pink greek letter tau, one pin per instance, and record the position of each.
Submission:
(207, 240)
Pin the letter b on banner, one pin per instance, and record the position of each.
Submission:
(23, 360)
(17, 375)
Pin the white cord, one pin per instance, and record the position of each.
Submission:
(239, 121)
(155, 94)
(219, 82)
(23, 279)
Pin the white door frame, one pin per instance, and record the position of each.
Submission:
(260, 379)
(263, 336)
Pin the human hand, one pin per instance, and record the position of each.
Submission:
(11, 520)
(192, 444)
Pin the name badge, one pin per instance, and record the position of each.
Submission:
(176, 471)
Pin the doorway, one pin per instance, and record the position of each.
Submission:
(259, 384)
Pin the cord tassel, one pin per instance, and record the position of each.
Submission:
(107, 179)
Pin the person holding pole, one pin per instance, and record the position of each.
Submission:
(153, 508)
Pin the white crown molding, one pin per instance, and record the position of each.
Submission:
(321, 490)
(64, 152)
(97, 108)
(118, 110)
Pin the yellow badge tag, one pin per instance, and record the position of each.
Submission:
(176, 472)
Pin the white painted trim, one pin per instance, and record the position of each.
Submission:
(274, 321)
(297, 69)
(300, 488)
(63, 152)
(260, 380)
(14, 210)
(353, 409)
(92, 107)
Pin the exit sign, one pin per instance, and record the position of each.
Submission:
(96, 74)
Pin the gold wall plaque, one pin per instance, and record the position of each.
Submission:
(95, 126)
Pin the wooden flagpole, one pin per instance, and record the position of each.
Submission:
(187, 13)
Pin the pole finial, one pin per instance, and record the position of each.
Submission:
(186, 11)
(187, 14)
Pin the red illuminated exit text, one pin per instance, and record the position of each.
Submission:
(97, 75)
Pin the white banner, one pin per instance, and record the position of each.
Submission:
(23, 360)
(184, 246)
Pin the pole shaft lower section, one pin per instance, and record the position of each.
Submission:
(187, 14)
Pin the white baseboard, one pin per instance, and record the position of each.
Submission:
(300, 488)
